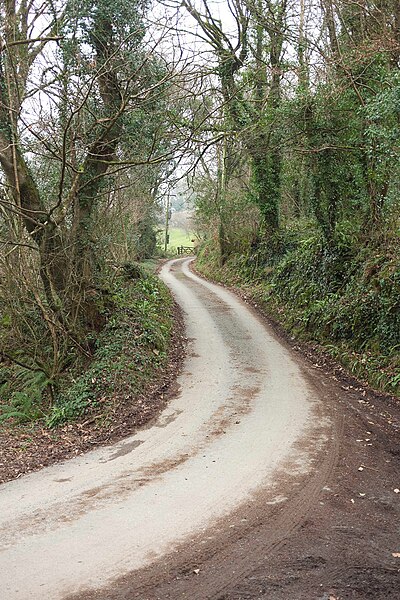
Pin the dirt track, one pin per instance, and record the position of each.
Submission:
(248, 486)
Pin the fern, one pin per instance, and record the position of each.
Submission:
(24, 394)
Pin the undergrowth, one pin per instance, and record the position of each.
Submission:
(345, 298)
(128, 351)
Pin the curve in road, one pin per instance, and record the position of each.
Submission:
(244, 413)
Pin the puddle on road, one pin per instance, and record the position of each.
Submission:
(125, 449)
(167, 419)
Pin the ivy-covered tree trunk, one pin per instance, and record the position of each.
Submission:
(245, 115)
(266, 170)
(90, 181)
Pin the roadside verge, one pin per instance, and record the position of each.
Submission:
(118, 405)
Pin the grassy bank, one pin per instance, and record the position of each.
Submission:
(347, 302)
(179, 237)
(128, 353)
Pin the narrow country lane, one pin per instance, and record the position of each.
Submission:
(247, 420)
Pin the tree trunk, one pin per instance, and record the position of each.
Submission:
(266, 169)
(29, 206)
(100, 153)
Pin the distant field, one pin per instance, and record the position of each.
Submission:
(179, 237)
